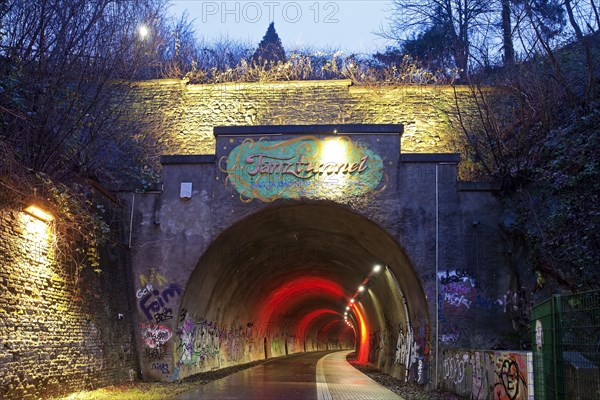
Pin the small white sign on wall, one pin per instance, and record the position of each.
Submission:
(185, 191)
(539, 334)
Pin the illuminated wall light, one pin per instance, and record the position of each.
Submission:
(377, 268)
(334, 150)
(361, 288)
(37, 236)
(352, 300)
(40, 214)
(347, 308)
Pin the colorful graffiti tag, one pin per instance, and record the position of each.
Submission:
(482, 375)
(512, 382)
(156, 300)
(154, 336)
(204, 343)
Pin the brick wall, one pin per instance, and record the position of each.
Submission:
(184, 115)
(59, 330)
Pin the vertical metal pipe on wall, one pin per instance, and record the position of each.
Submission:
(131, 218)
(437, 297)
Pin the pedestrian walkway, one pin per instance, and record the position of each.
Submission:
(338, 380)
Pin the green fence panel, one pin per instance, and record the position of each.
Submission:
(566, 340)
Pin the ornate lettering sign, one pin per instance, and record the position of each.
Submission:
(303, 167)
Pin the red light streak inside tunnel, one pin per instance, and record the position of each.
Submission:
(363, 347)
(296, 291)
(328, 327)
(312, 317)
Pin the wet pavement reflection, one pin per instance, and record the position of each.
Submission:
(287, 378)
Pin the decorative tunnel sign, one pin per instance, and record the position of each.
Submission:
(303, 167)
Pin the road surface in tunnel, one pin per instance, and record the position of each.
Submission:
(318, 375)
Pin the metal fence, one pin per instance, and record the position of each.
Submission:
(566, 347)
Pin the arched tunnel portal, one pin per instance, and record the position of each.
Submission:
(303, 277)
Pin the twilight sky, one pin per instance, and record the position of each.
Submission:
(321, 25)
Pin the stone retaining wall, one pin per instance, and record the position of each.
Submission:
(60, 331)
(184, 115)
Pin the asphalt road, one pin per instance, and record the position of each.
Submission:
(321, 376)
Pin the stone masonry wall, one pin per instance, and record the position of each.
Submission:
(58, 333)
(184, 116)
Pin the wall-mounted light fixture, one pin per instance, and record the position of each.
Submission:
(38, 213)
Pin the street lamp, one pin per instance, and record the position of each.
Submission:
(143, 31)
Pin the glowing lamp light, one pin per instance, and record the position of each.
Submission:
(143, 31)
(333, 150)
(377, 268)
(352, 300)
(361, 288)
(347, 308)
(40, 214)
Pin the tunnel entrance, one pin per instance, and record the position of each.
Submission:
(303, 277)
(259, 249)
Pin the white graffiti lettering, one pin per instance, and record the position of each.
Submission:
(456, 300)
(143, 291)
(454, 368)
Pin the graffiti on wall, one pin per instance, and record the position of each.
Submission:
(460, 296)
(456, 276)
(156, 353)
(154, 303)
(512, 381)
(457, 289)
(203, 342)
(480, 375)
(454, 367)
(154, 336)
(152, 278)
(406, 349)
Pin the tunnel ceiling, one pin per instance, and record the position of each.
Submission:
(293, 268)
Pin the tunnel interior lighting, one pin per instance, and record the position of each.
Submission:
(352, 300)
(377, 268)
(40, 214)
(361, 288)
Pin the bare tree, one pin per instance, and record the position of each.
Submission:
(460, 19)
(64, 65)
(61, 60)
(507, 35)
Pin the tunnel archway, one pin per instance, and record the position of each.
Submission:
(281, 281)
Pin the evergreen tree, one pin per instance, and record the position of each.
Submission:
(270, 50)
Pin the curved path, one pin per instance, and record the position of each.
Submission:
(322, 376)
